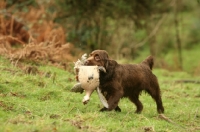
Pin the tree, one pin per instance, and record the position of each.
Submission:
(90, 20)
(177, 34)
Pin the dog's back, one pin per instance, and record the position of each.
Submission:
(133, 77)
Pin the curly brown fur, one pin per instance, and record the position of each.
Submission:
(126, 80)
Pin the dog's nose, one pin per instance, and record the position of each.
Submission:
(86, 62)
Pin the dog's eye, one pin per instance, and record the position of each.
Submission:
(97, 58)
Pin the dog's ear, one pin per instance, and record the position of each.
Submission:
(97, 58)
(103, 55)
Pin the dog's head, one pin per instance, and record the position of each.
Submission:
(97, 57)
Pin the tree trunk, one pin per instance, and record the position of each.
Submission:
(152, 40)
(177, 33)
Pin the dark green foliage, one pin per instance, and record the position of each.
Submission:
(90, 18)
(194, 34)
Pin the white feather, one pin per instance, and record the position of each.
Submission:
(102, 98)
(81, 62)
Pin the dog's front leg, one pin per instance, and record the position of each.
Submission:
(114, 99)
(113, 102)
(109, 99)
(117, 109)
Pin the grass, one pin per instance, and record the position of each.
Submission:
(43, 102)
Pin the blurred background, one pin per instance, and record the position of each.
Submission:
(60, 31)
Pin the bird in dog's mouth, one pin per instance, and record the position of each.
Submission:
(88, 79)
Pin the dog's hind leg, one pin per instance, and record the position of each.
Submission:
(160, 107)
(155, 94)
(159, 104)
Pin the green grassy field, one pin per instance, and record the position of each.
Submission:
(43, 103)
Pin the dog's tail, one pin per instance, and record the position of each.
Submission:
(149, 61)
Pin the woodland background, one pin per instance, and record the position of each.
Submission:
(60, 31)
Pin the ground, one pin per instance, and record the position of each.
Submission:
(43, 102)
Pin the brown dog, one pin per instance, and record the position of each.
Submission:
(126, 80)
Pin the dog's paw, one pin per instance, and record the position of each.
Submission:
(103, 109)
(138, 112)
(161, 111)
(117, 109)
